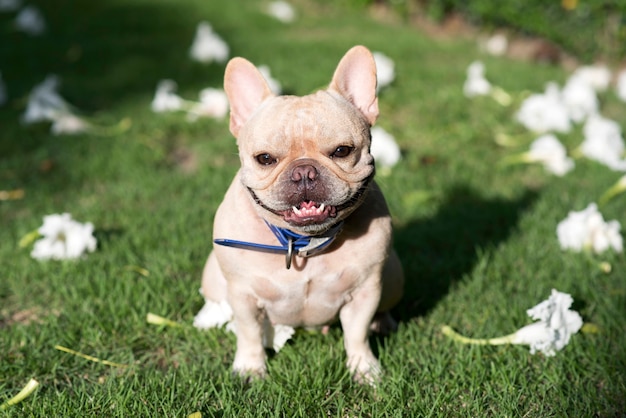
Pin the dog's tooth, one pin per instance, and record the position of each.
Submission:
(321, 208)
(297, 211)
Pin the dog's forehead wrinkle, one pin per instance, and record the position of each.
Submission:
(302, 126)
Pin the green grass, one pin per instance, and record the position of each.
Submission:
(477, 254)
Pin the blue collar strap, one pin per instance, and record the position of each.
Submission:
(290, 243)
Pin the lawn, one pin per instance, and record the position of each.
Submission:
(477, 238)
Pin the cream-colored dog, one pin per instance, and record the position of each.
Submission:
(303, 236)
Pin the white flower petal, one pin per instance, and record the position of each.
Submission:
(580, 98)
(48, 248)
(44, 102)
(165, 97)
(557, 323)
(63, 238)
(217, 314)
(604, 142)
(53, 225)
(476, 84)
(282, 11)
(587, 229)
(548, 150)
(207, 45)
(533, 333)
(69, 124)
(596, 76)
(213, 314)
(213, 103)
(271, 82)
(78, 239)
(497, 45)
(385, 70)
(276, 336)
(31, 21)
(10, 5)
(545, 112)
(384, 148)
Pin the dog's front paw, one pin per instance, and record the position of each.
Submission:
(249, 375)
(250, 368)
(365, 369)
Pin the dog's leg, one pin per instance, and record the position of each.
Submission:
(393, 283)
(213, 282)
(356, 317)
(248, 319)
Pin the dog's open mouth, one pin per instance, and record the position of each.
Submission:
(309, 212)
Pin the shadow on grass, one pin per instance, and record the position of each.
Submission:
(438, 252)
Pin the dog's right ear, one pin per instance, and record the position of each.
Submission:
(355, 80)
(246, 89)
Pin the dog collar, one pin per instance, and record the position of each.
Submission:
(291, 243)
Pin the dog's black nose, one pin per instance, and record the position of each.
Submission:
(304, 174)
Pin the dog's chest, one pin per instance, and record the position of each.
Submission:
(312, 296)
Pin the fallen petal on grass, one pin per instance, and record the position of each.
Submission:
(159, 320)
(63, 238)
(605, 267)
(144, 272)
(29, 238)
(23, 394)
(522, 158)
(587, 231)
(88, 357)
(548, 151)
(616, 189)
(588, 328)
(117, 129)
(556, 323)
(500, 96)
(506, 140)
(16, 194)
(448, 331)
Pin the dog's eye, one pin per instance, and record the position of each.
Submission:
(342, 151)
(266, 159)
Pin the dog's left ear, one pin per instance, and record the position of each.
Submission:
(355, 80)
(246, 89)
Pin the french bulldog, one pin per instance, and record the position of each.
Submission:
(303, 235)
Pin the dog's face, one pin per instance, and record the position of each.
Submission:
(305, 160)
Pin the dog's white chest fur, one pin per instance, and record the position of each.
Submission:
(312, 297)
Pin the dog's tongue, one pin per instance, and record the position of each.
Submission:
(310, 205)
(309, 212)
(308, 209)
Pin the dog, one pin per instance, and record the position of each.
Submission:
(303, 235)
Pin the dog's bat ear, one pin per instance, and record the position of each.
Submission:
(246, 89)
(355, 80)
